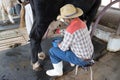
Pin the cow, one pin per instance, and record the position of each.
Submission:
(45, 11)
(5, 6)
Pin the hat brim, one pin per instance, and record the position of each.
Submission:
(79, 13)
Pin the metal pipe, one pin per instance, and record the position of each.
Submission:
(118, 30)
(100, 16)
(119, 4)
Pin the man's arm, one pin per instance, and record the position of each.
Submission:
(67, 40)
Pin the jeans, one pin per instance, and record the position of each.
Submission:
(57, 55)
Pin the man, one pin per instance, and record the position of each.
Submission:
(76, 46)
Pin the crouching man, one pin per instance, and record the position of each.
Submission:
(76, 46)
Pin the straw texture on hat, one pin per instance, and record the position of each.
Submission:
(69, 11)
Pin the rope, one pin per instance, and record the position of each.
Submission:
(91, 73)
(76, 69)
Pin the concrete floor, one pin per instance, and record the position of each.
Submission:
(107, 68)
(15, 65)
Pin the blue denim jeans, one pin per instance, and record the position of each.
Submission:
(57, 55)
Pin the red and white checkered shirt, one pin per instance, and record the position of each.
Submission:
(77, 39)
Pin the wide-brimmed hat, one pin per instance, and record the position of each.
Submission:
(69, 11)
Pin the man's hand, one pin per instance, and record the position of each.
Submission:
(57, 31)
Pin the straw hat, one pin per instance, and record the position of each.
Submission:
(69, 11)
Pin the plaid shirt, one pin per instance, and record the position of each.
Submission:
(77, 39)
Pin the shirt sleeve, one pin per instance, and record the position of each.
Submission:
(67, 40)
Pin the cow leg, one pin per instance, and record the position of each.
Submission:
(35, 46)
(35, 42)
(36, 35)
(92, 13)
(10, 16)
(38, 28)
(18, 8)
(3, 15)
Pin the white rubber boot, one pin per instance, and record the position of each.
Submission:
(72, 65)
(57, 71)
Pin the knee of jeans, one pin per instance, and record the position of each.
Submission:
(51, 50)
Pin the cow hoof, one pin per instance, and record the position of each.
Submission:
(12, 22)
(36, 66)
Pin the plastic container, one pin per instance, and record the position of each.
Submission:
(55, 42)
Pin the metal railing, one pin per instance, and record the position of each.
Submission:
(100, 16)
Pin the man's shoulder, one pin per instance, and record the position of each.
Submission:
(75, 25)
